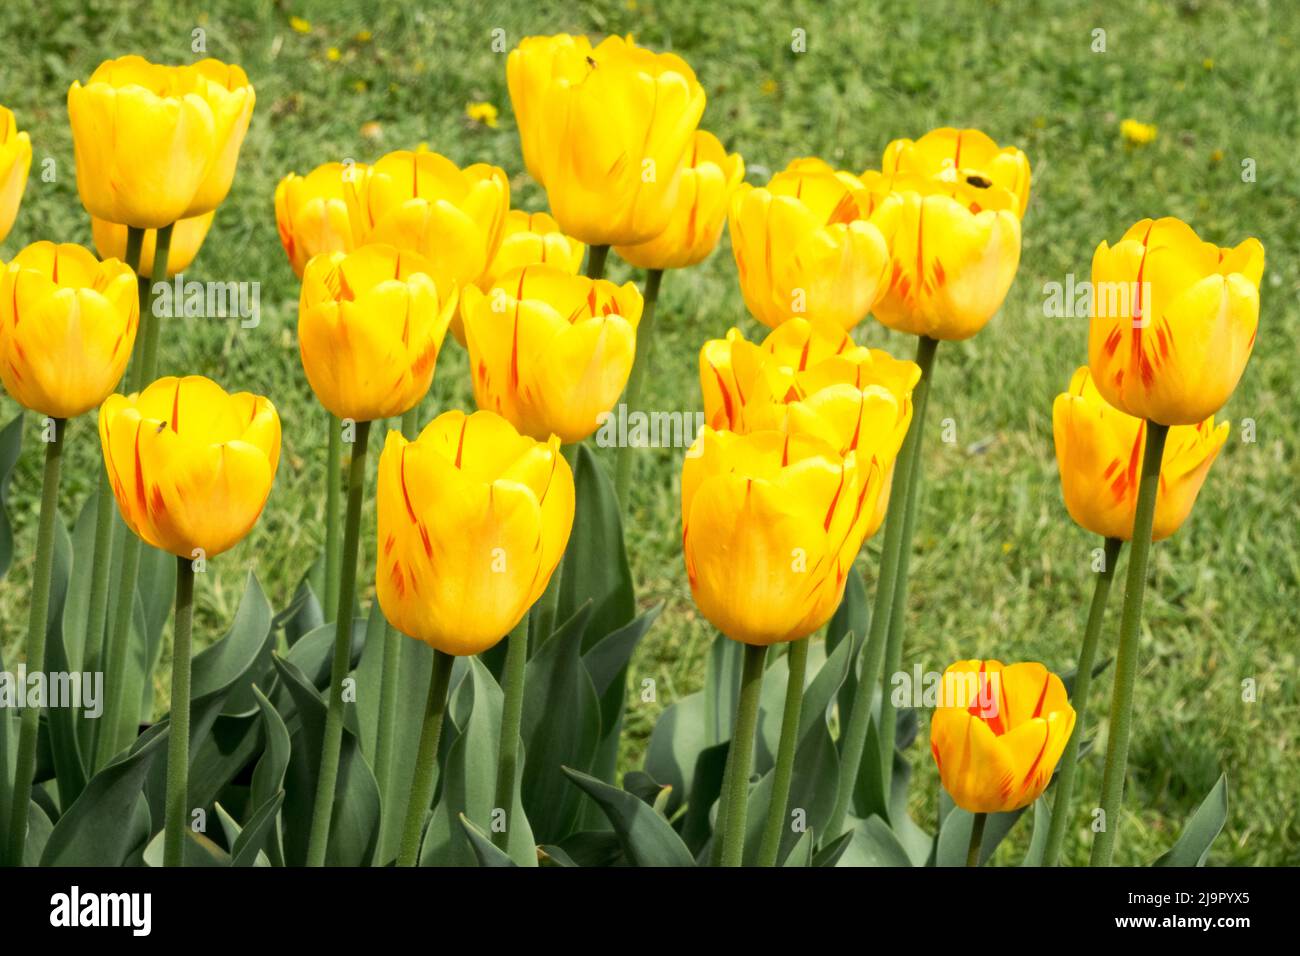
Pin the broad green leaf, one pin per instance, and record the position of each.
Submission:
(607, 662)
(199, 851)
(303, 614)
(955, 831)
(272, 765)
(645, 837)
(706, 787)
(595, 564)
(873, 844)
(561, 727)
(812, 794)
(468, 783)
(313, 653)
(485, 851)
(1193, 845)
(11, 446)
(101, 827)
(1038, 836)
(62, 723)
(354, 825)
(832, 852)
(252, 846)
(801, 854)
(680, 735)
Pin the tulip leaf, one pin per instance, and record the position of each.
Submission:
(918, 842)
(253, 847)
(370, 679)
(303, 613)
(1038, 836)
(110, 820)
(679, 737)
(820, 695)
(1193, 845)
(354, 826)
(313, 653)
(589, 848)
(830, 854)
(485, 851)
(706, 787)
(722, 687)
(873, 843)
(595, 564)
(812, 794)
(468, 779)
(62, 656)
(552, 855)
(198, 851)
(801, 854)
(955, 831)
(268, 775)
(848, 629)
(645, 836)
(607, 663)
(561, 727)
(11, 446)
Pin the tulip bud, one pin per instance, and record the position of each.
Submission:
(804, 246)
(370, 326)
(157, 144)
(606, 130)
(709, 177)
(187, 238)
(992, 177)
(473, 520)
(67, 327)
(771, 524)
(1099, 450)
(15, 162)
(531, 239)
(549, 351)
(1173, 321)
(998, 733)
(190, 465)
(311, 212)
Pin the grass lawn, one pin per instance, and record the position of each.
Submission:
(999, 569)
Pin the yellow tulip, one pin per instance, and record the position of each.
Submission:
(998, 733)
(1173, 321)
(805, 247)
(370, 326)
(810, 377)
(15, 161)
(549, 351)
(1099, 450)
(609, 128)
(421, 202)
(473, 520)
(709, 178)
(187, 239)
(191, 466)
(311, 212)
(994, 177)
(157, 144)
(531, 239)
(67, 327)
(771, 523)
(530, 69)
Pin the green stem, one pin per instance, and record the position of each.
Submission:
(548, 604)
(740, 755)
(512, 710)
(1079, 697)
(596, 256)
(333, 499)
(925, 349)
(323, 808)
(636, 381)
(427, 760)
(391, 670)
(774, 827)
(976, 838)
(1121, 702)
(855, 732)
(37, 619)
(109, 735)
(101, 564)
(178, 733)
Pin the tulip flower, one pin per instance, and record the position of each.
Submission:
(998, 734)
(1173, 321)
(532, 239)
(709, 177)
(187, 238)
(550, 352)
(1099, 450)
(311, 212)
(157, 144)
(191, 467)
(370, 326)
(15, 162)
(421, 202)
(67, 326)
(473, 520)
(605, 129)
(993, 177)
(805, 246)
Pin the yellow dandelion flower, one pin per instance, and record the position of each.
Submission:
(300, 25)
(1208, 63)
(364, 36)
(1137, 133)
(1216, 156)
(360, 86)
(484, 113)
(768, 87)
(333, 54)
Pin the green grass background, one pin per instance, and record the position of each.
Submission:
(999, 569)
